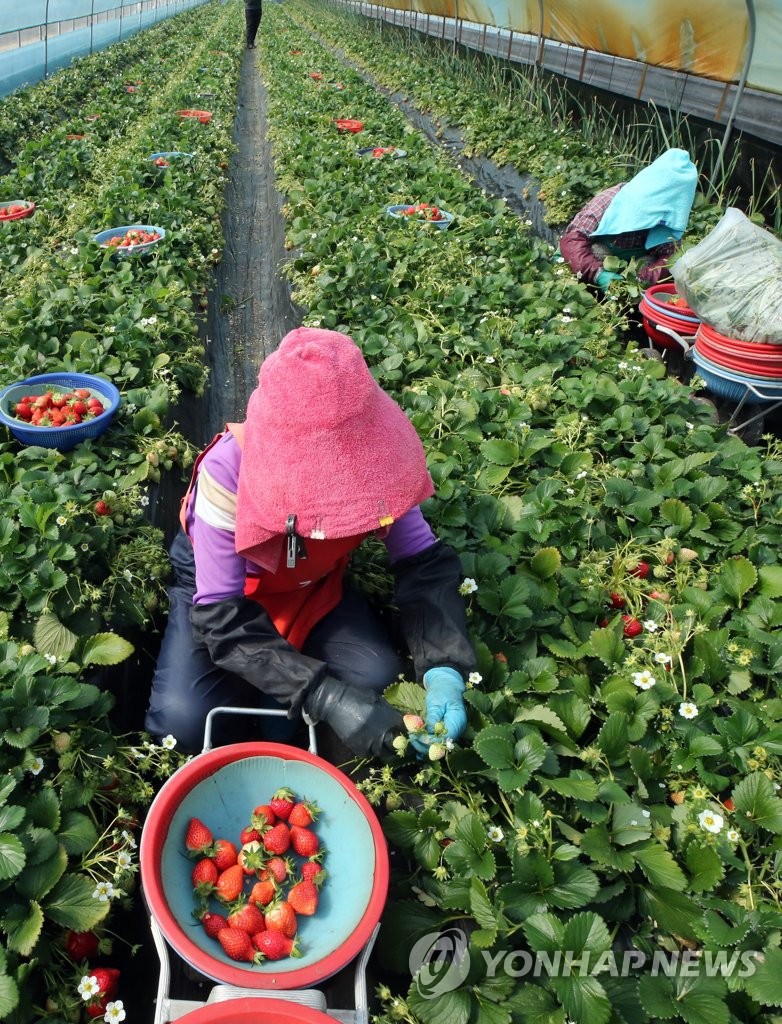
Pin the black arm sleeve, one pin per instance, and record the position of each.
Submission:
(432, 611)
(242, 639)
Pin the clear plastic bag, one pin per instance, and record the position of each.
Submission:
(733, 280)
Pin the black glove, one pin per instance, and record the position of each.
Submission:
(361, 718)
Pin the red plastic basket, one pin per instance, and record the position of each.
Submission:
(656, 312)
(753, 358)
(204, 116)
(221, 787)
(20, 207)
(251, 1010)
(349, 124)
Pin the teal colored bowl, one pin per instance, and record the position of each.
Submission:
(103, 237)
(397, 213)
(221, 787)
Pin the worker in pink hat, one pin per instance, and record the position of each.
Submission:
(260, 613)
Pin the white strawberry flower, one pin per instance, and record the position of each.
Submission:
(474, 678)
(688, 710)
(104, 891)
(124, 860)
(644, 680)
(36, 766)
(88, 987)
(711, 821)
(663, 659)
(168, 742)
(115, 1012)
(495, 834)
(467, 586)
(650, 626)
(732, 835)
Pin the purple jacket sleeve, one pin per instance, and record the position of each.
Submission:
(576, 244)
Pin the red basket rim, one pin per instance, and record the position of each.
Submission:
(249, 1010)
(741, 364)
(669, 288)
(202, 115)
(348, 124)
(29, 207)
(749, 347)
(154, 835)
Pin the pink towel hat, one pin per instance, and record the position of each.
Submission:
(325, 443)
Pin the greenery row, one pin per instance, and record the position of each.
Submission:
(81, 569)
(617, 788)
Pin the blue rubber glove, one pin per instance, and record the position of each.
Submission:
(444, 703)
(604, 279)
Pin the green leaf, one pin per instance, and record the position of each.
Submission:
(106, 649)
(500, 452)
(546, 562)
(737, 576)
(9, 996)
(677, 513)
(660, 868)
(409, 698)
(578, 785)
(50, 636)
(765, 984)
(445, 1008)
(629, 824)
(607, 645)
(78, 833)
(612, 738)
(545, 933)
(22, 926)
(12, 858)
(583, 997)
(468, 855)
(72, 905)
(770, 580)
(756, 804)
(706, 867)
(483, 911)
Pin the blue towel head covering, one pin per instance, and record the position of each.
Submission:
(658, 198)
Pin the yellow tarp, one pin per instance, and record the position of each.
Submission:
(703, 37)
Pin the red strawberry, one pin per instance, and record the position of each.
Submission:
(276, 868)
(224, 855)
(632, 627)
(213, 923)
(281, 917)
(248, 918)
(251, 857)
(229, 884)
(274, 945)
(303, 897)
(198, 837)
(263, 815)
(304, 841)
(303, 813)
(204, 875)
(278, 838)
(82, 945)
(249, 835)
(262, 893)
(282, 803)
(312, 871)
(617, 601)
(102, 509)
(236, 944)
(641, 570)
(108, 986)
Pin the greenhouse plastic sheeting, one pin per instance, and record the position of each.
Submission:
(703, 37)
(29, 53)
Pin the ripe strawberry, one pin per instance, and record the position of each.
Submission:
(262, 893)
(102, 509)
(304, 841)
(641, 570)
(263, 815)
(83, 945)
(414, 723)
(278, 838)
(632, 627)
(229, 884)
(249, 835)
(108, 986)
(277, 869)
(312, 871)
(617, 601)
(282, 803)
(237, 944)
(303, 897)
(281, 917)
(303, 813)
(248, 918)
(198, 838)
(274, 945)
(251, 857)
(213, 923)
(204, 875)
(224, 855)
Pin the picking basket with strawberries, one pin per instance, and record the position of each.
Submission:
(58, 410)
(263, 867)
(130, 239)
(17, 209)
(421, 213)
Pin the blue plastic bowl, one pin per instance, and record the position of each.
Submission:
(171, 156)
(398, 154)
(735, 386)
(103, 237)
(397, 214)
(66, 437)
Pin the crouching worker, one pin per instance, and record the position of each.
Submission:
(642, 219)
(260, 615)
